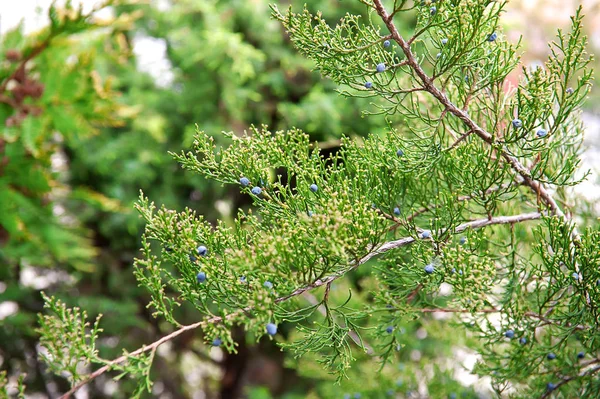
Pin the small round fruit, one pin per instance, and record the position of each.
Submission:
(522, 340)
(244, 181)
(551, 356)
(368, 85)
(399, 152)
(380, 67)
(580, 355)
(201, 277)
(541, 133)
(397, 211)
(429, 269)
(517, 123)
(314, 188)
(217, 342)
(426, 234)
(550, 386)
(510, 334)
(202, 250)
(256, 190)
(492, 37)
(268, 285)
(271, 328)
(389, 329)
(444, 41)
(386, 44)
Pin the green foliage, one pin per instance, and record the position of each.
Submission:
(355, 286)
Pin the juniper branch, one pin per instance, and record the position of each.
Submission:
(430, 87)
(524, 172)
(377, 250)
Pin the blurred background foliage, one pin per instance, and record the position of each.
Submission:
(84, 127)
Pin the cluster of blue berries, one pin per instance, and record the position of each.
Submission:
(256, 190)
(202, 251)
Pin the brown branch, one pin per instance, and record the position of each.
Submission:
(376, 250)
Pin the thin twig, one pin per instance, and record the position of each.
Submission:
(360, 343)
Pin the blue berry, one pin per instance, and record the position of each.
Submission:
(380, 67)
(399, 382)
(271, 329)
(541, 133)
(192, 257)
(492, 37)
(570, 90)
(460, 272)
(580, 355)
(453, 270)
(551, 356)
(438, 55)
(390, 392)
(510, 334)
(347, 396)
(310, 213)
(550, 386)
(268, 285)
(314, 188)
(201, 277)
(517, 123)
(389, 329)
(426, 234)
(444, 41)
(368, 85)
(399, 152)
(217, 342)
(357, 395)
(433, 10)
(576, 276)
(243, 280)
(429, 269)
(386, 44)
(168, 248)
(256, 190)
(523, 340)
(397, 211)
(244, 181)
(462, 240)
(202, 250)
(452, 396)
